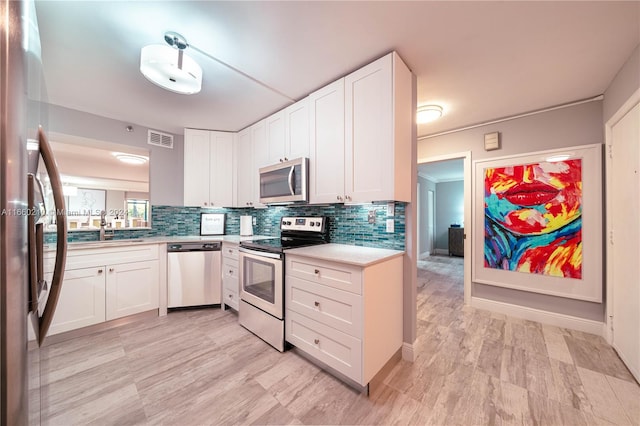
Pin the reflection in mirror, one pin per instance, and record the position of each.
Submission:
(100, 176)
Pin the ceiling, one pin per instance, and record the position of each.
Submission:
(479, 60)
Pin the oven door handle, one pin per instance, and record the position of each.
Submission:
(259, 253)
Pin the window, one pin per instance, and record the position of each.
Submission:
(138, 210)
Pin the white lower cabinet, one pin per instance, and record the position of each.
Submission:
(230, 276)
(101, 284)
(82, 300)
(131, 288)
(347, 317)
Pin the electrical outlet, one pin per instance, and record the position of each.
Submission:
(390, 225)
(372, 216)
(391, 209)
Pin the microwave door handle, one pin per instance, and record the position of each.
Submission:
(61, 235)
(291, 176)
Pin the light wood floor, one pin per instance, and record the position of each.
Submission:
(472, 367)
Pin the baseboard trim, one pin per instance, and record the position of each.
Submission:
(545, 317)
(441, 251)
(424, 255)
(407, 352)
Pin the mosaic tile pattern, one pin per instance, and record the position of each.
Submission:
(347, 224)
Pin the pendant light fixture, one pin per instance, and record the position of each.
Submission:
(169, 67)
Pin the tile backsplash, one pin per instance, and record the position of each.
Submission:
(348, 224)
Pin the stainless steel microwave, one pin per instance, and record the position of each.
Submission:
(285, 182)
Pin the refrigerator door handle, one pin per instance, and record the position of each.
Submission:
(61, 234)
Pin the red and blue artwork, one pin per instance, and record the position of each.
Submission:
(533, 218)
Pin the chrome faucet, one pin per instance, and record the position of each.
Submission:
(103, 223)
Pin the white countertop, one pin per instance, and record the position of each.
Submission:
(343, 253)
(77, 245)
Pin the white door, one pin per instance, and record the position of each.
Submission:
(132, 288)
(244, 169)
(196, 167)
(623, 211)
(326, 153)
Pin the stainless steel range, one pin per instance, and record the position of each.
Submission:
(261, 308)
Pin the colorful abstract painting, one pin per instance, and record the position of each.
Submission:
(533, 218)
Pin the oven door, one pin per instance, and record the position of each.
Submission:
(261, 281)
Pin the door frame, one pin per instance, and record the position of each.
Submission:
(608, 129)
(465, 156)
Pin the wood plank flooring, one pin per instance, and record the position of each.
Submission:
(472, 367)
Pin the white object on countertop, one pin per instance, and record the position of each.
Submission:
(246, 226)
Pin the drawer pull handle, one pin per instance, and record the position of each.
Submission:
(111, 269)
(231, 251)
(316, 304)
(230, 272)
(316, 341)
(231, 296)
(99, 271)
(316, 271)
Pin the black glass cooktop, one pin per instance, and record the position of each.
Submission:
(278, 245)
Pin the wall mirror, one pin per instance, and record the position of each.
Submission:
(100, 176)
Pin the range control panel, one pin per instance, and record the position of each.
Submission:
(309, 224)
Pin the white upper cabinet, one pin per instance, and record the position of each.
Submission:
(208, 168)
(260, 157)
(221, 172)
(244, 169)
(288, 133)
(296, 127)
(196, 167)
(274, 127)
(326, 153)
(373, 162)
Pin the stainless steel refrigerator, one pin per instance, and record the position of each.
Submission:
(26, 299)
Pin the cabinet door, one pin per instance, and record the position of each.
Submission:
(132, 288)
(369, 141)
(260, 157)
(296, 128)
(275, 137)
(196, 167)
(244, 195)
(326, 154)
(221, 170)
(82, 300)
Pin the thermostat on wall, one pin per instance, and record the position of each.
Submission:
(492, 141)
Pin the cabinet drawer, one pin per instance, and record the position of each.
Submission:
(230, 295)
(230, 268)
(90, 257)
(342, 277)
(332, 347)
(230, 251)
(339, 309)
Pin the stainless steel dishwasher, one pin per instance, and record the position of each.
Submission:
(194, 276)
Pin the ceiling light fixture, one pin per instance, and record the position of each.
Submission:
(130, 158)
(169, 67)
(427, 113)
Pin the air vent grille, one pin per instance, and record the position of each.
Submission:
(157, 138)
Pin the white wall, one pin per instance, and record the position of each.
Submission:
(572, 126)
(626, 81)
(423, 232)
(449, 210)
